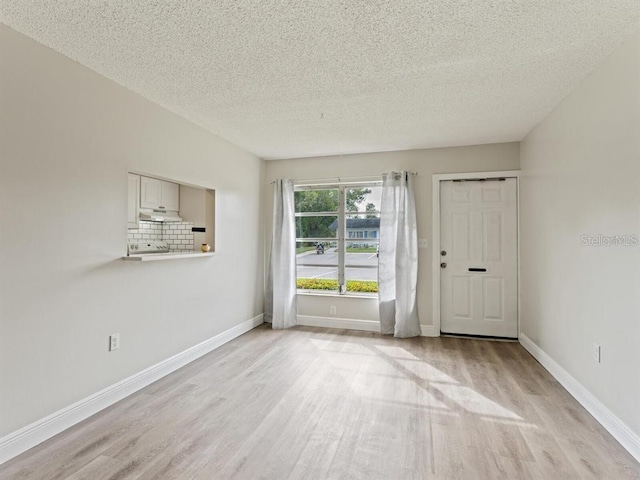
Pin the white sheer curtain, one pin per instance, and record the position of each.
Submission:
(280, 299)
(398, 257)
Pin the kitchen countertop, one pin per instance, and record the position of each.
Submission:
(149, 257)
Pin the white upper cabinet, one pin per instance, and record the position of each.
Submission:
(132, 203)
(150, 192)
(158, 194)
(170, 196)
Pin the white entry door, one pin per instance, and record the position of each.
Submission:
(479, 257)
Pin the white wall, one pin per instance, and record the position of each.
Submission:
(67, 139)
(581, 176)
(426, 163)
(194, 203)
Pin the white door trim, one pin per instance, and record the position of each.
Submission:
(435, 243)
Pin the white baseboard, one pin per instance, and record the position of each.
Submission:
(352, 324)
(616, 427)
(27, 437)
(333, 322)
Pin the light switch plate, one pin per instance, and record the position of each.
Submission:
(423, 243)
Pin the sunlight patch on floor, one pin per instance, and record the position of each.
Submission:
(474, 402)
(396, 352)
(430, 387)
(425, 371)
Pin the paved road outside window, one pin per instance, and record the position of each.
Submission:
(311, 265)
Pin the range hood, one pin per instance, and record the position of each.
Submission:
(159, 216)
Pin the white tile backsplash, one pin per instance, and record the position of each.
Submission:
(176, 244)
(177, 234)
(147, 231)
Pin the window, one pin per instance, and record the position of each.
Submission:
(337, 231)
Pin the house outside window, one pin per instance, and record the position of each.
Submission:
(344, 219)
(363, 228)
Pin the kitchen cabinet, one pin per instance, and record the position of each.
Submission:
(132, 203)
(159, 194)
(170, 196)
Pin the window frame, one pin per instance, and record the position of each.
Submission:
(341, 234)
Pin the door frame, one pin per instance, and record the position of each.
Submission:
(435, 244)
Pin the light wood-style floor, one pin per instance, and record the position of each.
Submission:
(309, 403)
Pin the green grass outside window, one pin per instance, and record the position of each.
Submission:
(362, 286)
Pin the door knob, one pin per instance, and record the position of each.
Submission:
(443, 253)
(443, 265)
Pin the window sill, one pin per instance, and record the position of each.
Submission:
(337, 295)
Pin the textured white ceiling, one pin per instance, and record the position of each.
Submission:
(302, 78)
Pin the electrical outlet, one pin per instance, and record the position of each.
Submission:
(332, 310)
(596, 353)
(114, 342)
(423, 243)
